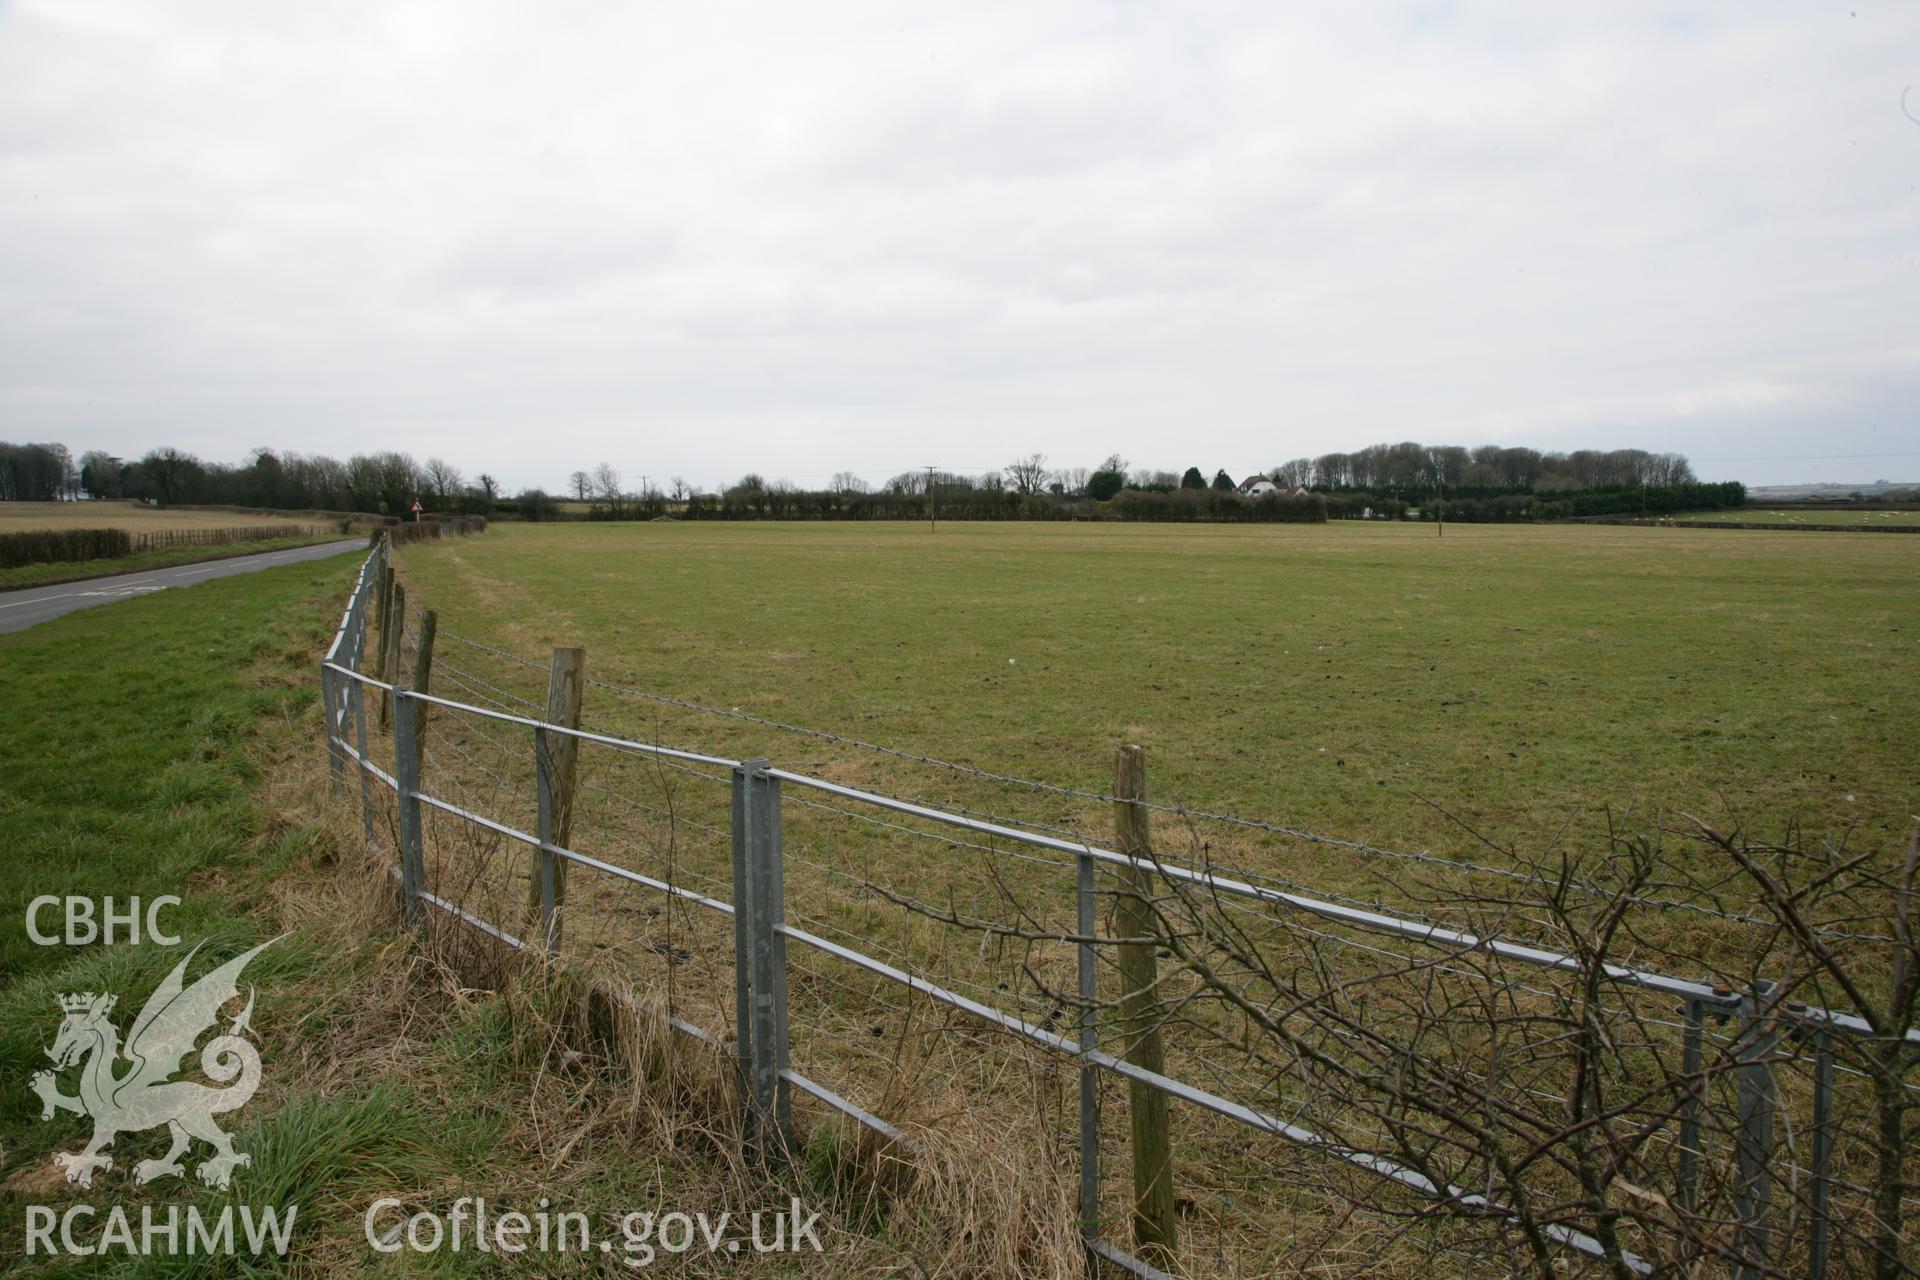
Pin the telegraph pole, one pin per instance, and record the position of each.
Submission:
(931, 527)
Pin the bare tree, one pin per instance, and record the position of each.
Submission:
(167, 471)
(847, 482)
(1294, 474)
(606, 490)
(680, 490)
(443, 480)
(1028, 475)
(580, 485)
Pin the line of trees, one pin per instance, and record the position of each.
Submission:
(1381, 481)
(1592, 502)
(1413, 468)
(979, 498)
(384, 483)
(1407, 473)
(1490, 483)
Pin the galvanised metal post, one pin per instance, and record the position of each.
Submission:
(406, 773)
(767, 969)
(742, 951)
(1089, 1074)
(360, 732)
(548, 867)
(1819, 1248)
(1690, 1107)
(1753, 1191)
(330, 722)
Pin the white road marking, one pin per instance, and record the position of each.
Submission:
(68, 595)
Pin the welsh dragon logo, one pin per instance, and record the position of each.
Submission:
(144, 1096)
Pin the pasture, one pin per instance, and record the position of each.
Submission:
(1793, 516)
(1353, 680)
(134, 517)
(1487, 696)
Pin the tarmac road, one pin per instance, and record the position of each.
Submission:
(22, 609)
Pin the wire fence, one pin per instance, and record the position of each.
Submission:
(1443, 1070)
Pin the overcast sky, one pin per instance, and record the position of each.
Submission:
(696, 239)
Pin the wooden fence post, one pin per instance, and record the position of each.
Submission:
(554, 758)
(423, 668)
(392, 633)
(407, 756)
(1140, 1015)
(383, 597)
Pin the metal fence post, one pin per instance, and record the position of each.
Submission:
(359, 694)
(763, 904)
(1753, 1192)
(406, 773)
(330, 722)
(1089, 1074)
(742, 951)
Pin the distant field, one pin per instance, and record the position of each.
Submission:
(1788, 515)
(1337, 677)
(129, 515)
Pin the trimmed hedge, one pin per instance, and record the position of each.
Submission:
(405, 531)
(63, 546)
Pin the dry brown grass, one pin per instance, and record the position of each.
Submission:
(134, 517)
(607, 1079)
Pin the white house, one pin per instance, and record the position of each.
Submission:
(1260, 486)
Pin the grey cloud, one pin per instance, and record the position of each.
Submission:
(699, 239)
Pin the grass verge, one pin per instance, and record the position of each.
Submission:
(168, 746)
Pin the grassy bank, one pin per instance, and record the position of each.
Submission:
(48, 575)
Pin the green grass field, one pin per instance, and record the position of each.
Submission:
(1793, 516)
(1326, 675)
(1342, 678)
